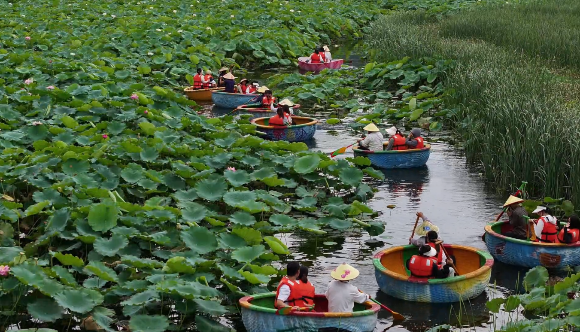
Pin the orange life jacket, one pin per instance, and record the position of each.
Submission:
(572, 231)
(305, 294)
(315, 58)
(252, 89)
(243, 87)
(197, 81)
(291, 301)
(207, 78)
(421, 266)
(276, 121)
(549, 232)
(439, 256)
(399, 142)
(268, 101)
(420, 143)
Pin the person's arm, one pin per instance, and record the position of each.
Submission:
(365, 142)
(412, 143)
(357, 296)
(283, 295)
(203, 79)
(539, 228)
(391, 144)
(272, 108)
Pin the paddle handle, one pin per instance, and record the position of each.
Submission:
(382, 305)
(414, 228)
(446, 254)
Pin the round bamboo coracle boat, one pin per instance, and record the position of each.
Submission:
(302, 131)
(200, 95)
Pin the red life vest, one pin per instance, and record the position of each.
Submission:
(304, 293)
(207, 78)
(243, 87)
(399, 142)
(420, 143)
(315, 58)
(268, 101)
(322, 56)
(252, 89)
(197, 81)
(549, 232)
(421, 266)
(291, 301)
(276, 121)
(439, 256)
(572, 231)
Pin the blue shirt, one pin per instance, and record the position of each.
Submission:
(230, 86)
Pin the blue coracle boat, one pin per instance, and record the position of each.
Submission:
(302, 131)
(231, 100)
(397, 158)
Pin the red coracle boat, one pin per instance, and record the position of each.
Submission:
(305, 65)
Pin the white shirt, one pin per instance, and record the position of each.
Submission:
(539, 227)
(373, 141)
(284, 293)
(328, 56)
(342, 296)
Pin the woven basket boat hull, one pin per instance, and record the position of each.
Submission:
(259, 315)
(258, 112)
(393, 278)
(397, 159)
(529, 254)
(299, 133)
(316, 67)
(200, 95)
(230, 100)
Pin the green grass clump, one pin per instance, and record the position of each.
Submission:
(517, 117)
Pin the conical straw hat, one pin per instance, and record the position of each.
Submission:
(344, 272)
(229, 76)
(263, 89)
(512, 200)
(425, 227)
(286, 101)
(371, 127)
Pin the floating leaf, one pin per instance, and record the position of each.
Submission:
(211, 190)
(306, 164)
(45, 309)
(103, 217)
(79, 300)
(110, 247)
(248, 254)
(199, 239)
(276, 245)
(148, 323)
(243, 218)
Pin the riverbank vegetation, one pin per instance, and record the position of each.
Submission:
(517, 110)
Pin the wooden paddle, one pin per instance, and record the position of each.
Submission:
(396, 316)
(530, 230)
(288, 310)
(341, 150)
(446, 254)
(520, 190)
(415, 227)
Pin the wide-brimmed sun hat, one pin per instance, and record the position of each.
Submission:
(256, 84)
(224, 68)
(539, 209)
(325, 48)
(512, 200)
(371, 127)
(263, 89)
(243, 80)
(391, 131)
(229, 76)
(286, 101)
(344, 272)
(208, 71)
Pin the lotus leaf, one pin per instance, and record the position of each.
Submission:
(199, 239)
(45, 309)
(144, 323)
(79, 300)
(103, 217)
(248, 254)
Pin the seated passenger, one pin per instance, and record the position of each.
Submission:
(322, 54)
(396, 140)
(315, 57)
(327, 54)
(208, 80)
(268, 99)
(545, 228)
(425, 265)
(251, 89)
(340, 294)
(571, 232)
(415, 140)
(243, 86)
(305, 290)
(287, 294)
(230, 83)
(280, 119)
(373, 140)
(517, 218)
(198, 80)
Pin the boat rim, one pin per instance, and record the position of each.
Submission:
(259, 109)
(191, 89)
(333, 60)
(311, 123)
(236, 93)
(490, 231)
(426, 148)
(483, 269)
(245, 303)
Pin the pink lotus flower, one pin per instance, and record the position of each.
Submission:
(27, 37)
(105, 136)
(146, 112)
(233, 169)
(36, 123)
(28, 81)
(50, 87)
(134, 96)
(4, 269)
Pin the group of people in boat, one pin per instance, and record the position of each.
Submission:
(226, 80)
(320, 55)
(374, 140)
(294, 290)
(544, 229)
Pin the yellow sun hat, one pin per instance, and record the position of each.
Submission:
(263, 89)
(229, 76)
(286, 101)
(425, 228)
(371, 127)
(512, 200)
(344, 272)
(224, 68)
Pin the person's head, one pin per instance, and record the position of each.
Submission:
(208, 72)
(416, 132)
(427, 251)
(293, 269)
(316, 51)
(541, 211)
(280, 112)
(432, 236)
(344, 273)
(286, 108)
(229, 76)
(244, 81)
(199, 70)
(303, 274)
(325, 48)
(223, 71)
(391, 131)
(574, 221)
(371, 127)
(512, 203)
(268, 93)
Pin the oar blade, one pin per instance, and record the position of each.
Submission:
(284, 311)
(339, 151)
(397, 316)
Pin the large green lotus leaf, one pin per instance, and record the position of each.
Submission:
(237, 178)
(229, 272)
(64, 275)
(362, 207)
(306, 164)
(36, 208)
(276, 245)
(199, 239)
(103, 216)
(79, 300)
(102, 271)
(178, 265)
(132, 173)
(102, 317)
(374, 173)
(186, 195)
(231, 241)
(255, 278)
(248, 254)
(209, 325)
(211, 307)
(239, 198)
(45, 309)
(115, 127)
(149, 154)
(142, 298)
(37, 132)
(110, 247)
(211, 189)
(351, 176)
(307, 201)
(148, 323)
(336, 223)
(173, 181)
(273, 181)
(193, 212)
(535, 277)
(243, 218)
(262, 173)
(73, 166)
(68, 259)
(31, 275)
(267, 270)
(254, 207)
(6, 235)
(250, 235)
(283, 220)
(140, 263)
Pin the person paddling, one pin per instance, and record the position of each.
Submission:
(268, 99)
(286, 293)
(222, 72)
(571, 232)
(341, 294)
(431, 239)
(517, 218)
(415, 140)
(426, 264)
(545, 228)
(230, 83)
(305, 290)
(373, 140)
(396, 139)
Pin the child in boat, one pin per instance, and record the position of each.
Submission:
(286, 293)
(426, 264)
(305, 290)
(571, 232)
(341, 294)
